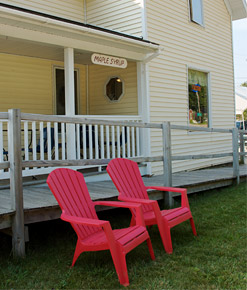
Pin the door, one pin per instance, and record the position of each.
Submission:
(60, 92)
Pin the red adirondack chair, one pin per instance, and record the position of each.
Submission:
(126, 176)
(70, 190)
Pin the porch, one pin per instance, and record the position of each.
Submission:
(22, 205)
(40, 205)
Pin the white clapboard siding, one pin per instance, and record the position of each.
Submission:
(124, 16)
(72, 9)
(187, 44)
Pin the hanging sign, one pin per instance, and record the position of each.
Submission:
(108, 60)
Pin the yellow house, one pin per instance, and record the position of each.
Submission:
(150, 61)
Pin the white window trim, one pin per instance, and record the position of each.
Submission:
(208, 72)
(123, 93)
(190, 16)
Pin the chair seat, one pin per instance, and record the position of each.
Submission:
(122, 236)
(174, 216)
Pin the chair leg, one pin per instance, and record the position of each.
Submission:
(165, 234)
(119, 261)
(193, 226)
(150, 247)
(78, 251)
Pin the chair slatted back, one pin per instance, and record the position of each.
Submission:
(126, 176)
(70, 190)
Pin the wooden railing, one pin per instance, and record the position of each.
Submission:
(46, 138)
(130, 150)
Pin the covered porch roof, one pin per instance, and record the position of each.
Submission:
(32, 33)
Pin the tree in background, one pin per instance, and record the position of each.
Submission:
(244, 84)
(245, 114)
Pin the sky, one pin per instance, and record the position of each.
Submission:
(240, 50)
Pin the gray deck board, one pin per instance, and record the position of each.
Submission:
(38, 198)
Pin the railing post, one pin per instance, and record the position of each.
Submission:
(167, 161)
(16, 191)
(235, 154)
(241, 137)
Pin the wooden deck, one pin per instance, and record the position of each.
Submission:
(40, 205)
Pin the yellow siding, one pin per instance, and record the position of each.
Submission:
(186, 45)
(27, 83)
(72, 9)
(99, 104)
(123, 16)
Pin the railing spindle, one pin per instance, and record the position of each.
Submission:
(137, 141)
(56, 141)
(118, 142)
(49, 140)
(128, 142)
(90, 142)
(78, 142)
(84, 138)
(133, 141)
(107, 142)
(96, 137)
(34, 140)
(113, 141)
(26, 141)
(102, 142)
(63, 140)
(123, 142)
(41, 141)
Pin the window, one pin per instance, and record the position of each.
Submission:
(114, 89)
(196, 14)
(198, 98)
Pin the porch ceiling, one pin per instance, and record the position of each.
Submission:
(40, 50)
(39, 36)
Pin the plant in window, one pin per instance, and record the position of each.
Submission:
(114, 89)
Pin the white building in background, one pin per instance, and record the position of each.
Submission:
(241, 102)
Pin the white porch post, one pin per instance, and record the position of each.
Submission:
(144, 109)
(69, 100)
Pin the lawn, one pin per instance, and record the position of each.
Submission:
(216, 259)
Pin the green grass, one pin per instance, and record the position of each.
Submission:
(216, 259)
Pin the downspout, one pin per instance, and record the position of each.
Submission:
(144, 91)
(153, 55)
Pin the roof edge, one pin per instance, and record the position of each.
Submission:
(237, 9)
(81, 24)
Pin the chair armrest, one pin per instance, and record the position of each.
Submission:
(136, 206)
(83, 221)
(130, 204)
(183, 191)
(142, 201)
(137, 200)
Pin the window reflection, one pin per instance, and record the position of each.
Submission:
(198, 98)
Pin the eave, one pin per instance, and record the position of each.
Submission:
(237, 8)
(38, 28)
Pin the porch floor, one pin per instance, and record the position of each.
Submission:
(40, 205)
